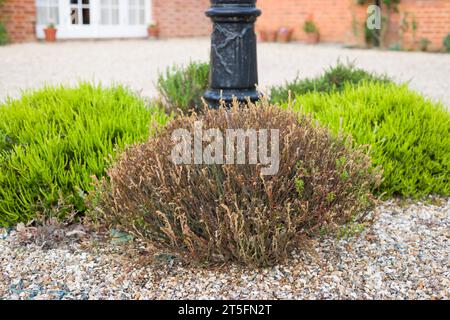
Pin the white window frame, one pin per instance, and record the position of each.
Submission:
(96, 29)
(79, 6)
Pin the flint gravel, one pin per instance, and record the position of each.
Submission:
(136, 63)
(404, 254)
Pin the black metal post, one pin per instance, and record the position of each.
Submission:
(234, 70)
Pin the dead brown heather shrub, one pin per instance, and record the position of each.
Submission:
(216, 213)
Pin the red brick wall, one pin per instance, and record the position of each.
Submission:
(343, 21)
(333, 17)
(19, 17)
(433, 21)
(182, 18)
(338, 20)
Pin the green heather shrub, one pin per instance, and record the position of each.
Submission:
(4, 39)
(409, 135)
(310, 27)
(216, 213)
(447, 43)
(181, 88)
(334, 79)
(53, 140)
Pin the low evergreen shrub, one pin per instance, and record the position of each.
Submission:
(408, 134)
(334, 79)
(4, 38)
(53, 140)
(447, 43)
(182, 88)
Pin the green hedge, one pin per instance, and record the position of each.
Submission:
(53, 140)
(182, 87)
(409, 135)
(333, 79)
(4, 38)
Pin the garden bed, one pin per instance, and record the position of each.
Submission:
(87, 162)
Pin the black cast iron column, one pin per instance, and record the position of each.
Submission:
(234, 70)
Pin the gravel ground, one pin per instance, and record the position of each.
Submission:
(136, 63)
(404, 255)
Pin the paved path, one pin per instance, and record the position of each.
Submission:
(137, 62)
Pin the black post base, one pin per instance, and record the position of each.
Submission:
(234, 70)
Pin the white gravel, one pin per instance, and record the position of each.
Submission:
(136, 63)
(404, 255)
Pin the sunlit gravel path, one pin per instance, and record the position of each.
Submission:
(404, 255)
(136, 63)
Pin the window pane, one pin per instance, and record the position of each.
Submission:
(141, 16)
(86, 16)
(54, 15)
(109, 11)
(74, 16)
(41, 15)
(136, 14)
(47, 12)
(131, 14)
(105, 16)
(115, 16)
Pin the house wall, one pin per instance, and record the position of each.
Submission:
(432, 17)
(19, 17)
(333, 17)
(339, 21)
(343, 20)
(182, 18)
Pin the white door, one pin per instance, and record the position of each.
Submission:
(77, 19)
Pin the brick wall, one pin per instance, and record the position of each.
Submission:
(182, 18)
(338, 20)
(343, 21)
(333, 17)
(432, 17)
(19, 17)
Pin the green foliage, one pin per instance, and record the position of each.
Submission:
(408, 135)
(424, 43)
(53, 140)
(350, 229)
(447, 43)
(334, 79)
(4, 39)
(183, 87)
(371, 36)
(391, 4)
(310, 27)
